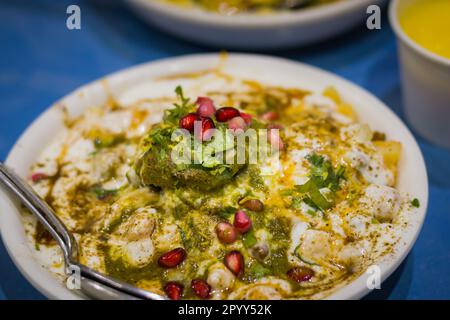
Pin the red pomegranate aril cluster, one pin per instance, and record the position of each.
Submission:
(173, 290)
(188, 121)
(300, 274)
(201, 288)
(226, 232)
(205, 110)
(206, 107)
(237, 124)
(242, 221)
(234, 261)
(247, 118)
(172, 258)
(206, 131)
(237, 121)
(226, 113)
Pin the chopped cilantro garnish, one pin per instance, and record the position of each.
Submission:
(296, 202)
(314, 197)
(415, 203)
(103, 193)
(181, 108)
(180, 95)
(226, 212)
(161, 136)
(315, 159)
(184, 238)
(322, 175)
(258, 271)
(249, 239)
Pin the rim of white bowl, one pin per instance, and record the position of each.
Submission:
(244, 20)
(401, 34)
(355, 289)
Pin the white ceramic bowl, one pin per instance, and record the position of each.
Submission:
(255, 31)
(425, 82)
(412, 173)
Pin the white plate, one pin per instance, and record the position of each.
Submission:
(412, 173)
(255, 31)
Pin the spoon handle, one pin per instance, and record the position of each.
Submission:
(125, 290)
(93, 283)
(41, 210)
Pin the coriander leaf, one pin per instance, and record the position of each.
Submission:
(316, 198)
(161, 136)
(181, 108)
(323, 174)
(249, 239)
(103, 193)
(226, 212)
(415, 203)
(258, 271)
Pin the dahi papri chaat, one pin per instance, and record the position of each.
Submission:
(309, 216)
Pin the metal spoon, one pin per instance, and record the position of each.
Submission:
(92, 283)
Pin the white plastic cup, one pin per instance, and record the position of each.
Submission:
(425, 83)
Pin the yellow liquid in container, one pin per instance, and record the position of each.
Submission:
(427, 22)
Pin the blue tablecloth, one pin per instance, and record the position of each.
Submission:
(41, 60)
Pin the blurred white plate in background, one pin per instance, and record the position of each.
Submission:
(255, 31)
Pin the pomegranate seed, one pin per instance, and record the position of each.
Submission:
(237, 124)
(275, 139)
(201, 288)
(270, 116)
(38, 176)
(234, 261)
(226, 113)
(253, 205)
(242, 221)
(203, 129)
(226, 232)
(172, 258)
(187, 122)
(205, 107)
(247, 118)
(300, 274)
(173, 290)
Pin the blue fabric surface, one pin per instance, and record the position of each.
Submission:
(40, 61)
